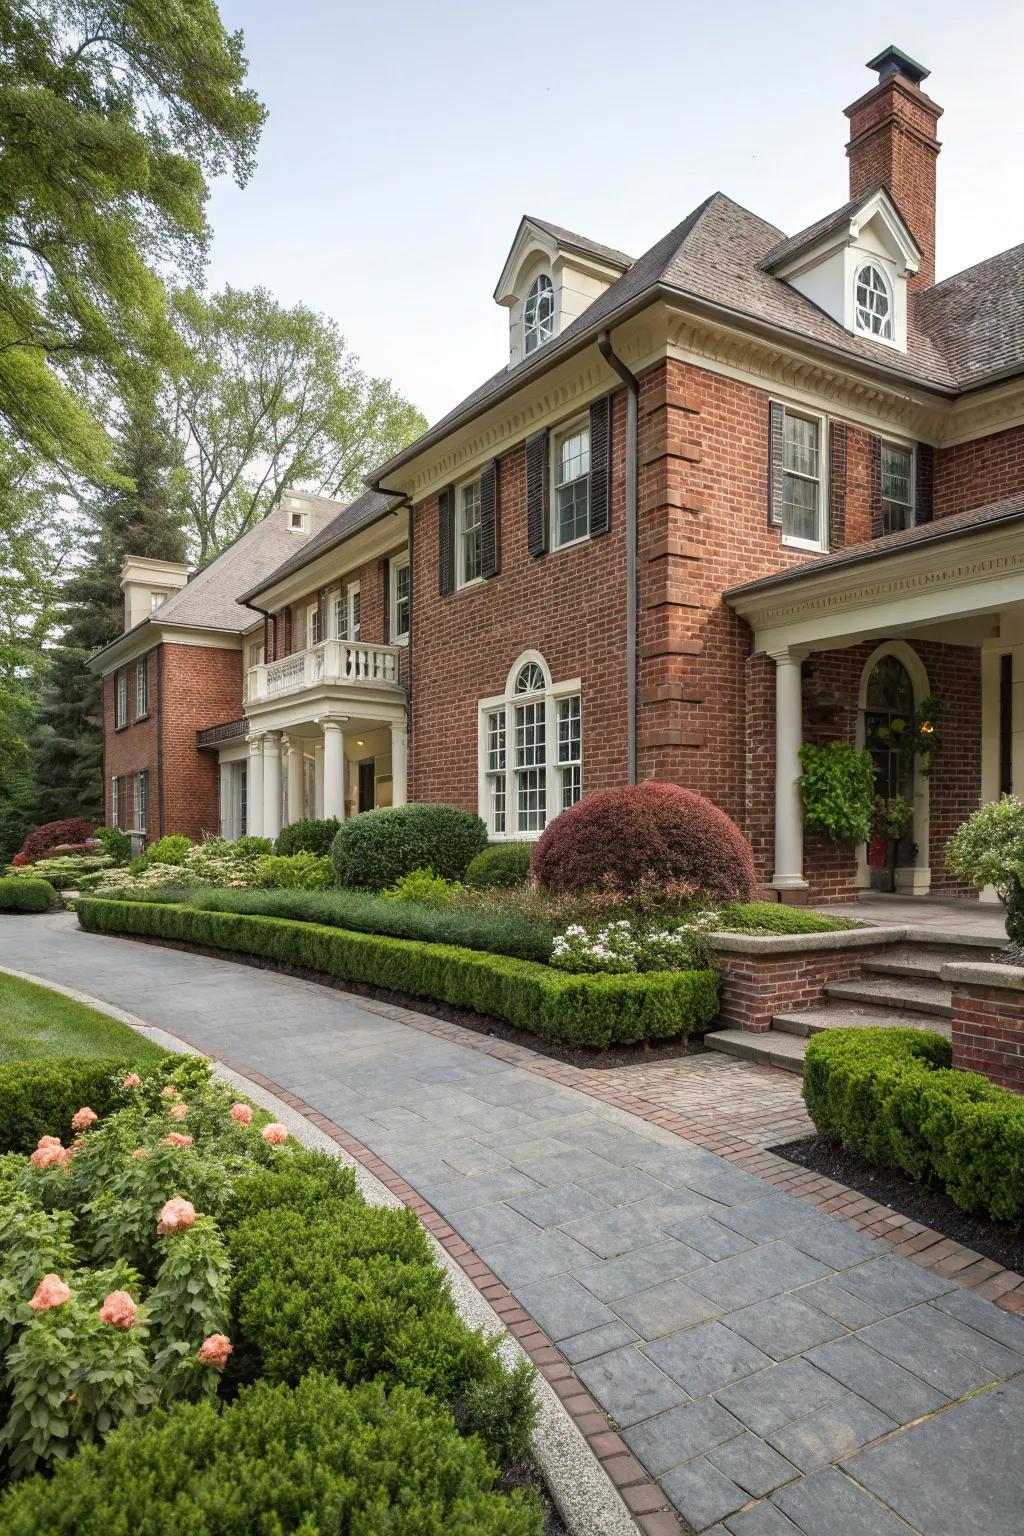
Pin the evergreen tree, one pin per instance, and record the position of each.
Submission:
(140, 516)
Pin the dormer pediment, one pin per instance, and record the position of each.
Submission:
(549, 278)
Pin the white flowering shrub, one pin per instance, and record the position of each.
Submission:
(626, 944)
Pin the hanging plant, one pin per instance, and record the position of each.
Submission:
(893, 816)
(838, 789)
(915, 738)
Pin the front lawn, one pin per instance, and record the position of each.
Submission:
(36, 1022)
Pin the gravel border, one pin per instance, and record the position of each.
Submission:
(583, 1494)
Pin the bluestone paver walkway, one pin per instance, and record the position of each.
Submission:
(775, 1371)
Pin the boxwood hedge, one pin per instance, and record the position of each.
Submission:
(890, 1096)
(39, 1096)
(24, 893)
(373, 850)
(578, 1010)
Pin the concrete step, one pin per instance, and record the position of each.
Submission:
(913, 967)
(811, 1021)
(767, 1049)
(923, 996)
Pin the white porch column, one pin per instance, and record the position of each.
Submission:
(271, 783)
(318, 781)
(789, 820)
(399, 764)
(334, 769)
(254, 788)
(293, 748)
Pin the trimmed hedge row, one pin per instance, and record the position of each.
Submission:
(556, 1005)
(24, 893)
(39, 1096)
(890, 1096)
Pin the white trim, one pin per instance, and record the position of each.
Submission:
(890, 294)
(461, 582)
(893, 442)
(398, 563)
(556, 436)
(916, 877)
(806, 413)
(507, 703)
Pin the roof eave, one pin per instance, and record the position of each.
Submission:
(276, 577)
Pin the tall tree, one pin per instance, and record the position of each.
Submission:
(113, 113)
(270, 398)
(136, 514)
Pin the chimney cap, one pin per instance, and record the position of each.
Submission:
(893, 61)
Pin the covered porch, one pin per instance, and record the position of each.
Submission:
(849, 647)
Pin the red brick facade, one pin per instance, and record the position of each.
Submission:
(893, 144)
(755, 987)
(988, 1031)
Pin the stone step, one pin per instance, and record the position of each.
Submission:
(913, 967)
(767, 1048)
(923, 996)
(811, 1021)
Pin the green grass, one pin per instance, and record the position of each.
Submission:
(36, 1022)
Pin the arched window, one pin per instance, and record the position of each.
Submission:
(873, 302)
(531, 751)
(539, 313)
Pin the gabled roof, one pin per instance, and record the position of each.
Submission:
(575, 242)
(841, 219)
(976, 318)
(1008, 509)
(347, 520)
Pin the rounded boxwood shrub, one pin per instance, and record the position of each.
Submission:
(39, 1096)
(308, 836)
(646, 833)
(24, 893)
(503, 865)
(318, 1459)
(373, 850)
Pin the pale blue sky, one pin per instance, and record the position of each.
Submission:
(405, 139)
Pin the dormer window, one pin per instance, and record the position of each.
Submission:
(873, 302)
(539, 313)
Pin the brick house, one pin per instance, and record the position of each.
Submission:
(742, 492)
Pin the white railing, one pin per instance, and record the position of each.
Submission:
(332, 661)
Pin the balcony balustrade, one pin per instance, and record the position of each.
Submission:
(342, 662)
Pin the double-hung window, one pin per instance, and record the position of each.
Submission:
(141, 689)
(314, 624)
(400, 599)
(802, 486)
(115, 804)
(897, 487)
(570, 483)
(531, 752)
(468, 534)
(141, 801)
(121, 706)
(346, 613)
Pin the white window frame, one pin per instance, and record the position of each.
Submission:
(399, 636)
(535, 336)
(115, 807)
(504, 705)
(790, 540)
(141, 800)
(312, 624)
(156, 600)
(121, 699)
(865, 330)
(912, 504)
(461, 579)
(345, 596)
(142, 688)
(557, 438)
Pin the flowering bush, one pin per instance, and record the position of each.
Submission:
(624, 945)
(988, 849)
(65, 871)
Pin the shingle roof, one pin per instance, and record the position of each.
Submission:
(977, 317)
(347, 520)
(581, 243)
(814, 232)
(212, 599)
(1009, 509)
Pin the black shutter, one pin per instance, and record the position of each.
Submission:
(875, 484)
(386, 566)
(537, 493)
(925, 484)
(836, 484)
(600, 465)
(489, 534)
(776, 421)
(446, 541)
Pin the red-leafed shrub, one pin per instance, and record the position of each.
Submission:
(74, 829)
(19, 861)
(645, 834)
(66, 850)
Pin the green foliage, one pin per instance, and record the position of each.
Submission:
(579, 1010)
(39, 1097)
(774, 917)
(422, 885)
(306, 1180)
(838, 788)
(21, 893)
(65, 873)
(373, 850)
(116, 845)
(37, 1021)
(168, 850)
(503, 865)
(352, 1289)
(252, 847)
(890, 1096)
(988, 849)
(307, 836)
(315, 1460)
(627, 945)
(294, 871)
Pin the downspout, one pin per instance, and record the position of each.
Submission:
(604, 346)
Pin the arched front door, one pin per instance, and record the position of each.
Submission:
(888, 714)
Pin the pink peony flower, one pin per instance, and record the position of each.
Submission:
(48, 1141)
(242, 1113)
(170, 1092)
(141, 1152)
(118, 1310)
(178, 1111)
(176, 1139)
(50, 1292)
(176, 1215)
(50, 1154)
(215, 1350)
(276, 1133)
(132, 1080)
(84, 1117)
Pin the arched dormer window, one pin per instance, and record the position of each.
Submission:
(539, 313)
(872, 302)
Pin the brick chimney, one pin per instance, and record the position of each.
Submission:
(893, 145)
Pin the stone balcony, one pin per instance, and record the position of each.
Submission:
(356, 664)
